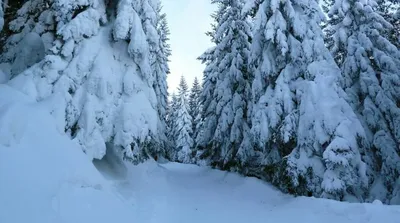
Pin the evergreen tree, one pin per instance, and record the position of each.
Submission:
(199, 130)
(225, 117)
(304, 131)
(1, 16)
(106, 92)
(390, 11)
(184, 141)
(161, 51)
(183, 88)
(208, 108)
(370, 67)
(171, 121)
(328, 25)
(251, 7)
(182, 126)
(194, 104)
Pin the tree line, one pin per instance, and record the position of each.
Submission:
(303, 95)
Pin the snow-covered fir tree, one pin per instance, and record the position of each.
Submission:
(194, 103)
(183, 88)
(226, 87)
(171, 120)
(328, 24)
(99, 95)
(182, 126)
(251, 7)
(164, 54)
(390, 11)
(207, 105)
(305, 133)
(208, 109)
(1, 16)
(370, 67)
(184, 141)
(160, 58)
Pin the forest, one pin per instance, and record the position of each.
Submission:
(302, 94)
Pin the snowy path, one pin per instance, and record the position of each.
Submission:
(174, 193)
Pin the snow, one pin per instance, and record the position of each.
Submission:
(29, 51)
(175, 192)
(3, 77)
(47, 178)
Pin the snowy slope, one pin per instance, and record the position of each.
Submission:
(45, 177)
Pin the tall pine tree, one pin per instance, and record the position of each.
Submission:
(225, 119)
(171, 120)
(305, 133)
(194, 103)
(370, 66)
(182, 126)
(161, 52)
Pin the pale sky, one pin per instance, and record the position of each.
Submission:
(188, 21)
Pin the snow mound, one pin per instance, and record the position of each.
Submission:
(45, 177)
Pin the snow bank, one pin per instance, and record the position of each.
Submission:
(45, 177)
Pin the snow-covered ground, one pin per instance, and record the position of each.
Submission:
(173, 193)
(46, 178)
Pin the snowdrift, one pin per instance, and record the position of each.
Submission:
(45, 177)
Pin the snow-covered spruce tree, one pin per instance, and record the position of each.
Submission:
(183, 88)
(198, 131)
(162, 59)
(206, 97)
(226, 125)
(157, 32)
(194, 103)
(95, 75)
(1, 16)
(208, 108)
(171, 120)
(182, 127)
(307, 133)
(184, 141)
(390, 11)
(251, 7)
(370, 67)
(328, 24)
